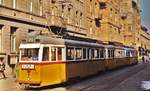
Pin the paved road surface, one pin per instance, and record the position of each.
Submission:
(125, 79)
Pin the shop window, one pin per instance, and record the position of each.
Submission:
(53, 54)
(46, 54)
(70, 53)
(78, 53)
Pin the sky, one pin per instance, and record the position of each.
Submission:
(145, 14)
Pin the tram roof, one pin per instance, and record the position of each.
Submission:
(57, 41)
(35, 41)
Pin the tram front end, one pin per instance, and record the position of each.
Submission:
(28, 68)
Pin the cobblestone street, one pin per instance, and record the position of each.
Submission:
(125, 79)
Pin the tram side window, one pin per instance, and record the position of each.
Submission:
(70, 53)
(110, 53)
(92, 53)
(45, 54)
(96, 53)
(88, 53)
(53, 54)
(128, 54)
(59, 52)
(84, 53)
(101, 53)
(78, 53)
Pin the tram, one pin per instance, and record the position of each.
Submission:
(48, 61)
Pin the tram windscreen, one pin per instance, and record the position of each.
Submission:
(29, 54)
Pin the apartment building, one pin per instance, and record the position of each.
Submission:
(20, 17)
(116, 21)
(110, 30)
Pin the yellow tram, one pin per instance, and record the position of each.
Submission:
(46, 61)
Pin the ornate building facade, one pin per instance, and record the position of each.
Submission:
(115, 21)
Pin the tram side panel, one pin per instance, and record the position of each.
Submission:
(80, 69)
(53, 73)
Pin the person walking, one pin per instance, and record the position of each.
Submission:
(143, 59)
(2, 68)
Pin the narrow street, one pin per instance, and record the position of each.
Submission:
(125, 79)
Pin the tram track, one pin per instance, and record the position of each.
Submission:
(109, 80)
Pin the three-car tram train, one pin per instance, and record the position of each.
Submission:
(55, 60)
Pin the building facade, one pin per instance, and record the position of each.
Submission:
(110, 30)
(17, 18)
(115, 21)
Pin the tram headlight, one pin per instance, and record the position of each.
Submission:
(28, 66)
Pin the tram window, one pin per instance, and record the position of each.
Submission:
(70, 53)
(53, 54)
(109, 53)
(101, 53)
(78, 53)
(128, 54)
(84, 53)
(45, 54)
(29, 54)
(88, 53)
(96, 53)
(59, 52)
(112, 53)
(92, 53)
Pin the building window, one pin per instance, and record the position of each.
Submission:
(14, 3)
(41, 8)
(1, 2)
(1, 37)
(31, 6)
(102, 5)
(30, 31)
(13, 38)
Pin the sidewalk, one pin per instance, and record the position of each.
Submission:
(8, 84)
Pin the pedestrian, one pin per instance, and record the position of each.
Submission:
(143, 59)
(2, 68)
